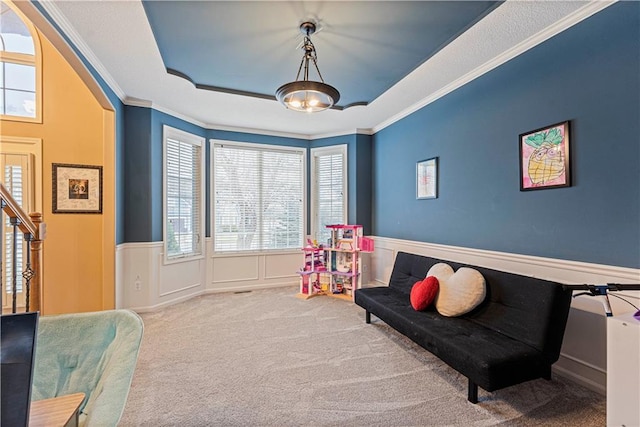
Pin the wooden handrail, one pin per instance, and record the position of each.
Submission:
(13, 209)
(28, 224)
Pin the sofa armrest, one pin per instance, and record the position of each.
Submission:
(93, 353)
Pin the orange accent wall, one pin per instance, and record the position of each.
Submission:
(79, 250)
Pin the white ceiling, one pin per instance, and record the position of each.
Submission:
(116, 38)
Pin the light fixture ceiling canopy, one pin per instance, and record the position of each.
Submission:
(307, 95)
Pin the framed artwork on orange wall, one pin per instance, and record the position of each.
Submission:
(77, 189)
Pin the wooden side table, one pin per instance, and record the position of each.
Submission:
(61, 411)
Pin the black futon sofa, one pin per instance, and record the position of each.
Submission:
(514, 336)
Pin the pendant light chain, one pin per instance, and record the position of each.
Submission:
(315, 62)
(310, 54)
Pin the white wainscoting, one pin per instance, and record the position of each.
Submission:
(145, 283)
(240, 272)
(583, 357)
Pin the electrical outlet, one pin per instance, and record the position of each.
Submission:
(138, 283)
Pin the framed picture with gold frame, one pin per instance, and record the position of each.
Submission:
(77, 189)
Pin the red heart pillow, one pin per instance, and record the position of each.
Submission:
(423, 293)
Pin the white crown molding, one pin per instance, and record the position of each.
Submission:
(369, 132)
(135, 102)
(79, 43)
(212, 126)
(170, 112)
(357, 131)
(567, 22)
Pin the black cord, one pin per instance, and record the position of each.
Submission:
(617, 296)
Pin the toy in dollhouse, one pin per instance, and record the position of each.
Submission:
(314, 256)
(338, 289)
(345, 284)
(345, 245)
(343, 262)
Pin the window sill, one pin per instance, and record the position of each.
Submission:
(181, 259)
(230, 254)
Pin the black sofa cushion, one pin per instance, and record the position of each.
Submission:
(490, 359)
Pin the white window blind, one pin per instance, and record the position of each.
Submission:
(15, 167)
(258, 197)
(329, 193)
(184, 194)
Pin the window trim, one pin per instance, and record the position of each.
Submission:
(323, 151)
(33, 147)
(212, 202)
(169, 132)
(23, 59)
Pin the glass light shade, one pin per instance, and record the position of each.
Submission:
(307, 96)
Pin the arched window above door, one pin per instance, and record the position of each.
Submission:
(20, 81)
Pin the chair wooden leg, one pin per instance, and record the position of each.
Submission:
(473, 392)
(367, 317)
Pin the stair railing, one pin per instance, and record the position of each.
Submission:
(33, 230)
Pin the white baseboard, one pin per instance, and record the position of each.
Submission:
(248, 288)
(144, 282)
(152, 308)
(582, 373)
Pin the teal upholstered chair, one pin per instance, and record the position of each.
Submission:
(93, 353)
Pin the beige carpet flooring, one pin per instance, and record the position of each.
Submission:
(267, 358)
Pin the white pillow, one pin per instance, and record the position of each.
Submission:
(440, 270)
(460, 292)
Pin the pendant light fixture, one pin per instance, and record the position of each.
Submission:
(307, 95)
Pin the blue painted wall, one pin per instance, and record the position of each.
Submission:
(589, 74)
(136, 175)
(362, 184)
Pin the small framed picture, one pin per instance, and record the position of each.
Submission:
(427, 179)
(544, 158)
(77, 188)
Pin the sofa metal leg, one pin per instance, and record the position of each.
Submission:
(367, 317)
(473, 392)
